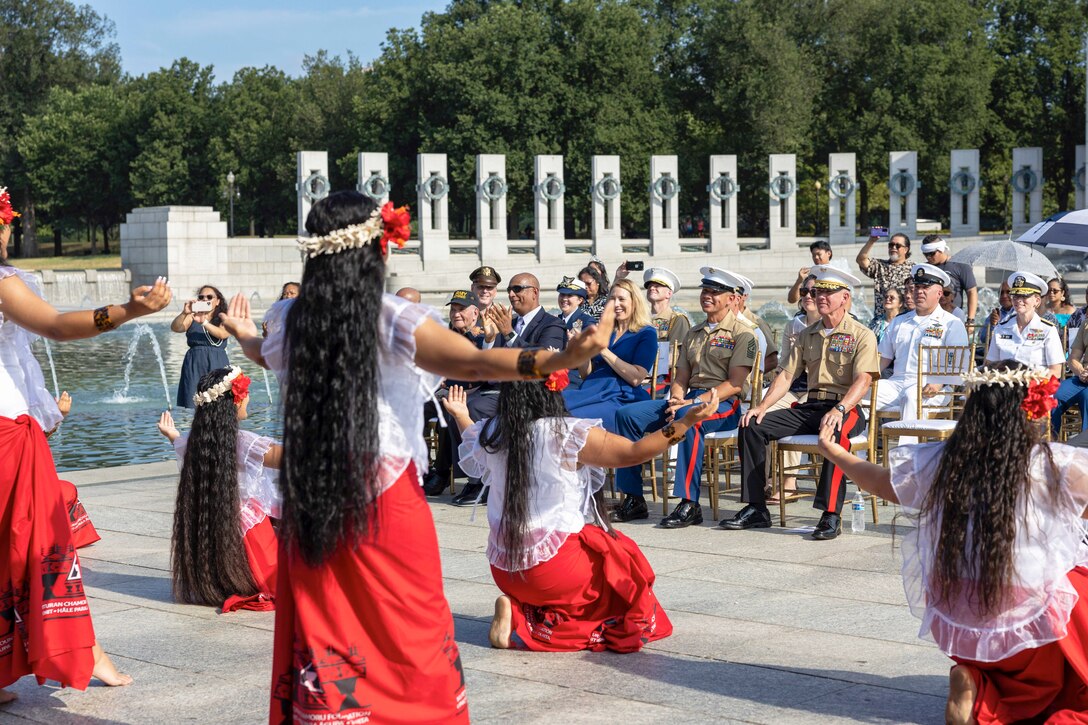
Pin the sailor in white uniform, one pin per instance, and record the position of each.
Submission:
(1026, 337)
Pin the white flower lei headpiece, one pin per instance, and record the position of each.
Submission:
(215, 391)
(355, 236)
(987, 376)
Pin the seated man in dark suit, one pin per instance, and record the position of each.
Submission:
(524, 324)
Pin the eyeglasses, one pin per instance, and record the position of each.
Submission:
(806, 291)
(896, 246)
(1053, 291)
(946, 293)
(205, 298)
(517, 289)
(929, 254)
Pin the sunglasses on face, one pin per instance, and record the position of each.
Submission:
(946, 293)
(517, 289)
(929, 254)
(1053, 291)
(205, 298)
(806, 291)
(897, 246)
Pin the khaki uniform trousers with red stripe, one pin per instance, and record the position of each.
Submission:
(804, 419)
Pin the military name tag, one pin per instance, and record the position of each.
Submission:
(1004, 337)
(842, 342)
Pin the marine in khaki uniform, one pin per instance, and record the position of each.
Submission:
(839, 355)
(716, 355)
(765, 335)
(672, 324)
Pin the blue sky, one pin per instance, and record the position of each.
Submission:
(232, 34)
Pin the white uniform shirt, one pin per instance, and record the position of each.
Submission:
(1037, 345)
(906, 332)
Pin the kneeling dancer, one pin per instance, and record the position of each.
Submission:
(224, 549)
(567, 584)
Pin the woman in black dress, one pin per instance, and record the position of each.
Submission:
(207, 341)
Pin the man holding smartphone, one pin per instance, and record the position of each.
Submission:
(891, 273)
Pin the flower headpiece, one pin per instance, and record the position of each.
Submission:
(557, 381)
(388, 223)
(1041, 385)
(7, 214)
(235, 381)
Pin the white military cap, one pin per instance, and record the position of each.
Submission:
(720, 280)
(1026, 283)
(747, 283)
(833, 278)
(661, 276)
(923, 274)
(937, 245)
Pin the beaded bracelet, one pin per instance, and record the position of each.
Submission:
(527, 365)
(102, 321)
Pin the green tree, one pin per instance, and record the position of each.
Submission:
(44, 44)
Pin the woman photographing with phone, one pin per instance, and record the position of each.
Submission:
(200, 320)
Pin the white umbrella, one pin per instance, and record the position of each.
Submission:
(1009, 255)
(1065, 230)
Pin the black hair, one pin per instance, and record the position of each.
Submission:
(208, 558)
(512, 430)
(330, 416)
(820, 244)
(283, 289)
(1064, 287)
(602, 282)
(930, 238)
(220, 309)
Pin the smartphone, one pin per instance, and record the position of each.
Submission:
(634, 266)
(878, 231)
(202, 307)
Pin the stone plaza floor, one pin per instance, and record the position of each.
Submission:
(770, 627)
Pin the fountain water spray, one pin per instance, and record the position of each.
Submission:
(52, 366)
(267, 387)
(121, 396)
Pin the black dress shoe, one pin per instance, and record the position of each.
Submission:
(435, 482)
(829, 527)
(468, 494)
(633, 507)
(748, 517)
(685, 514)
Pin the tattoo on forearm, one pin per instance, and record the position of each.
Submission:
(672, 434)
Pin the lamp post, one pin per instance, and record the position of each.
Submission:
(230, 193)
(818, 187)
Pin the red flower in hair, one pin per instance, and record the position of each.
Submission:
(7, 214)
(557, 381)
(397, 226)
(1040, 398)
(239, 387)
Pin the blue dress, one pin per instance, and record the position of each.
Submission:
(603, 392)
(205, 354)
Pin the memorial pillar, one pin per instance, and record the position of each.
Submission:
(548, 192)
(432, 204)
(963, 192)
(1027, 188)
(664, 206)
(842, 198)
(903, 193)
(782, 189)
(491, 208)
(606, 190)
(722, 189)
(312, 183)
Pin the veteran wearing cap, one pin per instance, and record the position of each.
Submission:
(763, 332)
(1026, 337)
(929, 325)
(485, 280)
(964, 288)
(839, 355)
(672, 323)
(716, 356)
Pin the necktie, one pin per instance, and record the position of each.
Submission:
(519, 325)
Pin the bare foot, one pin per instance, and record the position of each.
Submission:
(962, 691)
(7, 696)
(104, 670)
(502, 624)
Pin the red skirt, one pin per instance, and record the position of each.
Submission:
(83, 531)
(596, 593)
(368, 636)
(262, 553)
(1043, 684)
(45, 621)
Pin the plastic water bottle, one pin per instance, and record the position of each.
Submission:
(857, 513)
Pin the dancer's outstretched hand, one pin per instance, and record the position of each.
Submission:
(166, 426)
(64, 403)
(456, 403)
(149, 298)
(237, 320)
(590, 340)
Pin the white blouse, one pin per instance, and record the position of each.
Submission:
(258, 487)
(22, 385)
(403, 387)
(561, 502)
(1049, 543)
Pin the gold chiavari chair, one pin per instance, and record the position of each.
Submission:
(943, 365)
(722, 448)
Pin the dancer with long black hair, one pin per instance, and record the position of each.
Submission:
(569, 581)
(224, 549)
(997, 568)
(363, 630)
(46, 630)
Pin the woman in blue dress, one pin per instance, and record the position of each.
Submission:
(616, 376)
(207, 342)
